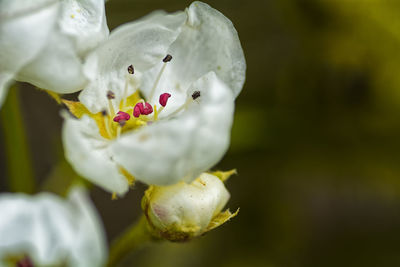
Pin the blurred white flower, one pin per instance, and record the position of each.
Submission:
(173, 79)
(49, 231)
(43, 41)
(182, 211)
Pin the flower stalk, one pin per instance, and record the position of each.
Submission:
(19, 166)
(134, 238)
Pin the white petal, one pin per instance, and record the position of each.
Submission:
(5, 80)
(142, 43)
(48, 228)
(188, 205)
(89, 248)
(24, 29)
(208, 42)
(85, 21)
(43, 43)
(180, 149)
(88, 152)
(57, 68)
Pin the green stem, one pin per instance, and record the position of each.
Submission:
(19, 167)
(134, 238)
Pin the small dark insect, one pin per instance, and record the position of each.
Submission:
(104, 112)
(110, 95)
(195, 95)
(131, 70)
(167, 58)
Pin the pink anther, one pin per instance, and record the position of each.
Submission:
(138, 109)
(121, 116)
(141, 109)
(164, 98)
(148, 109)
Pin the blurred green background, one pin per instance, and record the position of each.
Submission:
(315, 139)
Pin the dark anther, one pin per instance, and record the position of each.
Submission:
(167, 58)
(122, 123)
(104, 112)
(195, 95)
(131, 70)
(110, 95)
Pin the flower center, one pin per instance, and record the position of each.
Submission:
(133, 110)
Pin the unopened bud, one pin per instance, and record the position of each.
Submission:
(182, 211)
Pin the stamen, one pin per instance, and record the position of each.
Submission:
(164, 98)
(131, 70)
(119, 129)
(106, 123)
(195, 95)
(167, 59)
(110, 96)
(107, 126)
(187, 102)
(122, 116)
(123, 100)
(155, 116)
(158, 112)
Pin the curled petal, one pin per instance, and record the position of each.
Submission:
(57, 68)
(207, 42)
(89, 154)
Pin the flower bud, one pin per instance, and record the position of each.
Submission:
(182, 211)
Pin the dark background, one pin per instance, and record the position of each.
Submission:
(315, 139)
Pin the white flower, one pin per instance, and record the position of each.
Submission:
(174, 78)
(50, 231)
(182, 211)
(42, 42)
